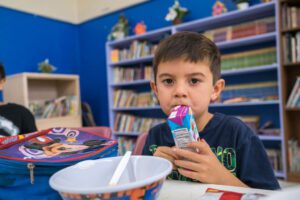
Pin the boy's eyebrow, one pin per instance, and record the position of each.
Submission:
(164, 74)
(196, 74)
(191, 74)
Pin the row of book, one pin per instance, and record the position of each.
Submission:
(257, 57)
(250, 92)
(130, 98)
(62, 106)
(125, 144)
(275, 159)
(131, 123)
(291, 44)
(294, 98)
(290, 16)
(137, 49)
(242, 30)
(294, 155)
(124, 74)
(266, 129)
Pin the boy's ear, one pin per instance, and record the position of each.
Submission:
(218, 88)
(153, 87)
(2, 82)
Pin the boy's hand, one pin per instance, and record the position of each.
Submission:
(167, 153)
(203, 165)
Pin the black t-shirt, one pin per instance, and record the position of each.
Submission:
(234, 144)
(15, 119)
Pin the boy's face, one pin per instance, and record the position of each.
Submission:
(180, 82)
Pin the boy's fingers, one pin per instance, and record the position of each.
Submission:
(192, 156)
(164, 155)
(189, 174)
(168, 151)
(202, 146)
(188, 165)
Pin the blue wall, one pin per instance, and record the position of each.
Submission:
(26, 39)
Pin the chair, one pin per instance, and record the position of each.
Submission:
(102, 130)
(87, 115)
(139, 145)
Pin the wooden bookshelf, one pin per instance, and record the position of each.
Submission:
(27, 87)
(289, 71)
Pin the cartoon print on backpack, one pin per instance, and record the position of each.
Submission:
(47, 147)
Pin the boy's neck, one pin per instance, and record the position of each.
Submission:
(203, 120)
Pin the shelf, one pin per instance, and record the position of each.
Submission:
(146, 36)
(129, 83)
(269, 138)
(293, 176)
(279, 174)
(133, 61)
(249, 70)
(296, 64)
(66, 121)
(126, 133)
(137, 108)
(292, 109)
(290, 30)
(261, 103)
(247, 40)
(229, 18)
(291, 2)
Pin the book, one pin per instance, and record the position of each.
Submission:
(217, 194)
(292, 98)
(114, 55)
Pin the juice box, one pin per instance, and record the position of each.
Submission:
(183, 127)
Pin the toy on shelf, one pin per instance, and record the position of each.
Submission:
(176, 13)
(140, 28)
(219, 8)
(119, 30)
(46, 67)
(241, 4)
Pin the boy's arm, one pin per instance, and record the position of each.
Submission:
(204, 166)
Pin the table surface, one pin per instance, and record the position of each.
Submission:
(176, 190)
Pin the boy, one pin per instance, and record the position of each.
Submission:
(187, 72)
(14, 119)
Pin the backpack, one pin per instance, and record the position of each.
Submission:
(27, 161)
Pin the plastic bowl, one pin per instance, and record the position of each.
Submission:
(142, 179)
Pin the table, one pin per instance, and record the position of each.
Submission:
(177, 190)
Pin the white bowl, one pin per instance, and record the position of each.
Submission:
(89, 179)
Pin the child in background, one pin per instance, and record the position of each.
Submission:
(14, 119)
(187, 72)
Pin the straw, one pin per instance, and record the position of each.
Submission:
(120, 168)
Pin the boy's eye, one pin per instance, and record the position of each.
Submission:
(194, 81)
(168, 81)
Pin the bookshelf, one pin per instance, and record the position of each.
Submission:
(289, 27)
(263, 71)
(28, 88)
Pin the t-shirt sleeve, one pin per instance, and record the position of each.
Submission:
(28, 122)
(255, 168)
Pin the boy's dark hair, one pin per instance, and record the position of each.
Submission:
(2, 72)
(192, 47)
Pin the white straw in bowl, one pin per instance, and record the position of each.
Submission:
(120, 168)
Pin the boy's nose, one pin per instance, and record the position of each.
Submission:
(180, 91)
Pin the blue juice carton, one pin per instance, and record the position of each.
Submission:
(183, 126)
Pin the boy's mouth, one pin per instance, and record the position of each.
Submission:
(181, 104)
